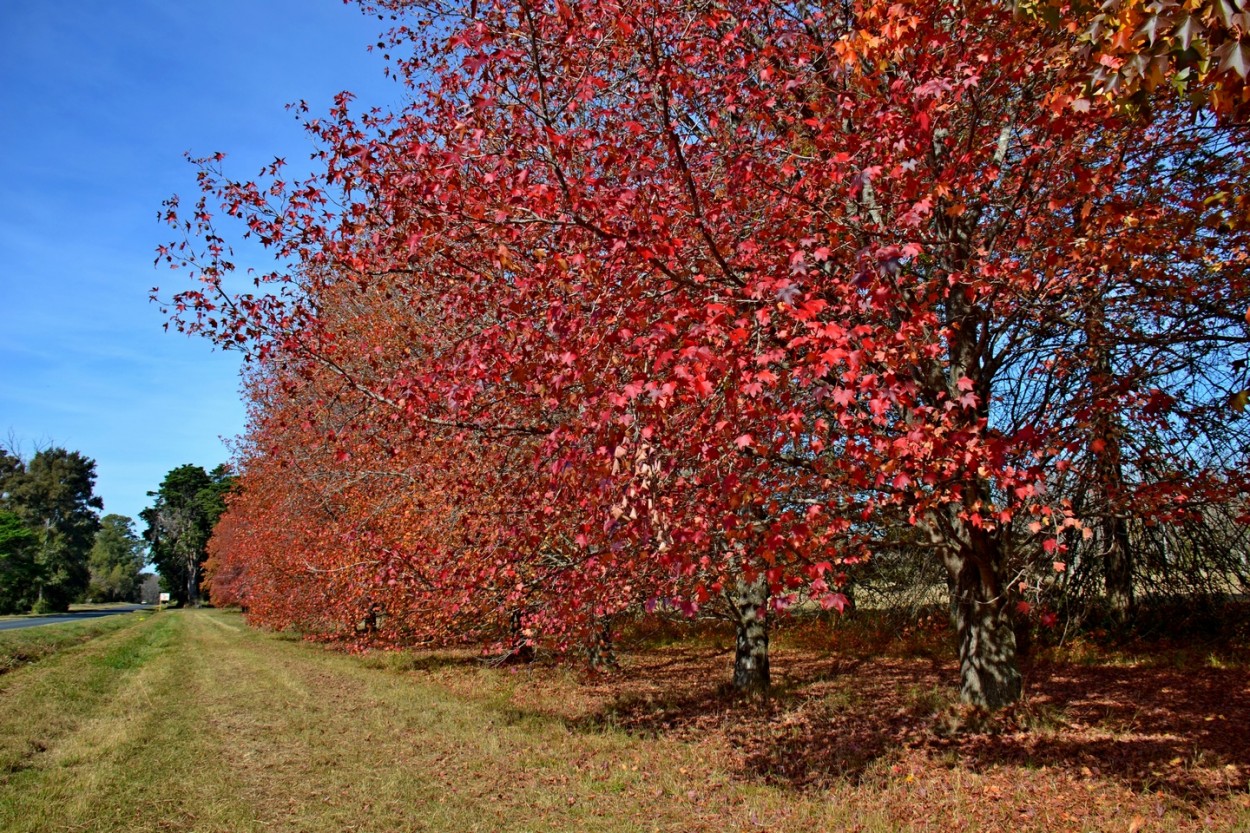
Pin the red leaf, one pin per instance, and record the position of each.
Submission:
(837, 601)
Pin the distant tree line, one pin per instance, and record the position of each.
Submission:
(56, 549)
(49, 520)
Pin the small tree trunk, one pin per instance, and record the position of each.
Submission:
(601, 653)
(522, 645)
(368, 624)
(848, 590)
(988, 672)
(192, 586)
(1118, 566)
(749, 606)
(1106, 428)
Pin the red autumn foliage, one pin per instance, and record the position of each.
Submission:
(1132, 47)
(689, 303)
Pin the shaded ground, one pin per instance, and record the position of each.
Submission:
(1159, 741)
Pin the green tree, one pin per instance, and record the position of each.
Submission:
(18, 569)
(180, 522)
(116, 561)
(54, 496)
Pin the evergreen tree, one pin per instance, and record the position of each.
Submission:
(180, 522)
(18, 569)
(116, 561)
(54, 496)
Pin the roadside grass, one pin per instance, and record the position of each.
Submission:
(192, 721)
(85, 607)
(26, 645)
(100, 738)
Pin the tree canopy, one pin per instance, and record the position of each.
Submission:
(18, 570)
(1132, 47)
(692, 306)
(53, 496)
(117, 559)
(180, 522)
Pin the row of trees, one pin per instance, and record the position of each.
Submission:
(56, 549)
(731, 306)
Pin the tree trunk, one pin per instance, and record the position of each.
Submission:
(1118, 568)
(368, 624)
(749, 603)
(601, 653)
(988, 672)
(522, 646)
(980, 610)
(193, 583)
(1106, 428)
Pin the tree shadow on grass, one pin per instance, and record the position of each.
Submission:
(1182, 732)
(424, 661)
(831, 720)
(823, 719)
(671, 694)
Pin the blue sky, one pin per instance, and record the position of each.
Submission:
(98, 102)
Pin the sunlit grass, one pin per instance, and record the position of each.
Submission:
(192, 722)
(25, 645)
(188, 720)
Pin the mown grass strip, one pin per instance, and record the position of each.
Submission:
(320, 741)
(23, 646)
(118, 741)
(192, 721)
(44, 702)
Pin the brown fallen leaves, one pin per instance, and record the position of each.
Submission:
(1103, 741)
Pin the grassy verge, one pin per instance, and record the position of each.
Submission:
(85, 607)
(191, 721)
(26, 645)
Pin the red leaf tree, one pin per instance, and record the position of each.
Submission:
(693, 300)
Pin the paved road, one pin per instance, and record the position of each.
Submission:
(73, 616)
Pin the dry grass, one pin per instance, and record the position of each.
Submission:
(190, 721)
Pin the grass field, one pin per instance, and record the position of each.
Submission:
(190, 721)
